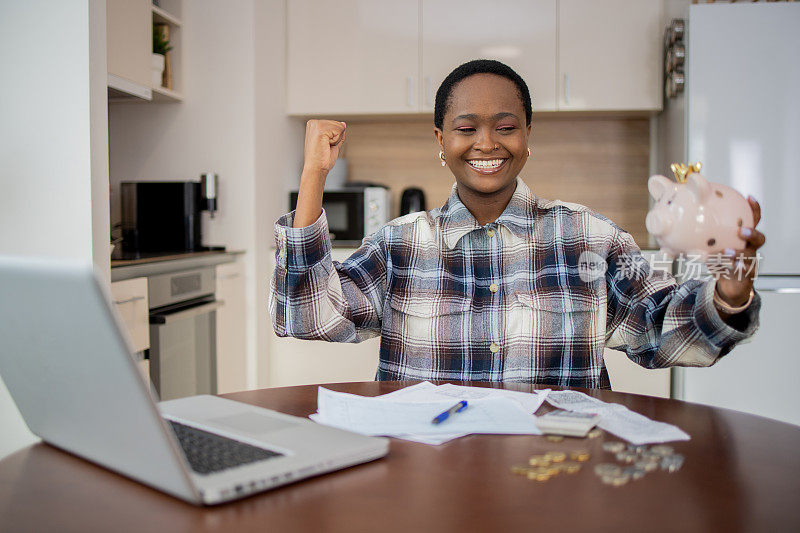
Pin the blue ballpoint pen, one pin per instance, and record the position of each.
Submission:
(460, 406)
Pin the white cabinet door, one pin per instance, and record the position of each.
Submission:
(352, 56)
(300, 362)
(520, 33)
(610, 55)
(231, 329)
(129, 38)
(627, 376)
(130, 299)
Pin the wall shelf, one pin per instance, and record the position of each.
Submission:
(164, 95)
(161, 16)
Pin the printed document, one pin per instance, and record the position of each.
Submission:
(618, 419)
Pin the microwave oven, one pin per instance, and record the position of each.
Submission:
(353, 212)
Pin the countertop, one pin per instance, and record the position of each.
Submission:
(160, 264)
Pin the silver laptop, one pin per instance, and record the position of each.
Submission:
(66, 361)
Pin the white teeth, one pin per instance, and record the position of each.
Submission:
(479, 163)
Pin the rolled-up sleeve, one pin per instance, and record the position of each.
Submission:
(660, 323)
(314, 297)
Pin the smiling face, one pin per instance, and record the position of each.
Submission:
(484, 135)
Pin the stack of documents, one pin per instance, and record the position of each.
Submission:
(408, 413)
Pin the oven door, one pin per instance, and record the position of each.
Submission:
(183, 349)
(345, 212)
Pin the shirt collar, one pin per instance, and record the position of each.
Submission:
(518, 216)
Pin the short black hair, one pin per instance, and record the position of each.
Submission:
(470, 68)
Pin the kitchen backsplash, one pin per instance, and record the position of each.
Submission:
(600, 162)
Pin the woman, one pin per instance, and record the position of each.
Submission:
(491, 286)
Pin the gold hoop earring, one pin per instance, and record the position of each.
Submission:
(441, 156)
(529, 152)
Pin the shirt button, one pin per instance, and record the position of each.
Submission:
(494, 348)
(494, 287)
(490, 232)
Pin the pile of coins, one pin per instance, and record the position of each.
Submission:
(640, 460)
(550, 464)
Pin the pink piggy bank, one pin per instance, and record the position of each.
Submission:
(697, 217)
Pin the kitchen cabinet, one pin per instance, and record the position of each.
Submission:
(609, 55)
(130, 300)
(231, 329)
(352, 56)
(383, 57)
(129, 45)
(456, 32)
(129, 40)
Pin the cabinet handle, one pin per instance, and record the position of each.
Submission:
(129, 300)
(566, 89)
(410, 91)
(169, 318)
(428, 92)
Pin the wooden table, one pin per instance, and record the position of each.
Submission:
(742, 473)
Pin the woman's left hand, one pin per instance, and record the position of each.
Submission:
(736, 278)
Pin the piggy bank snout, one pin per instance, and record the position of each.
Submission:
(657, 224)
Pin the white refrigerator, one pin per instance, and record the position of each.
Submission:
(740, 116)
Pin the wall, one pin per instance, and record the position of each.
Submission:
(599, 161)
(231, 122)
(52, 143)
(278, 157)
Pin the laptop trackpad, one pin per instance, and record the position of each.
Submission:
(252, 423)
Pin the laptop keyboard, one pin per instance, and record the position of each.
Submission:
(208, 453)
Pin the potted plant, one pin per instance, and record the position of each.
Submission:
(160, 48)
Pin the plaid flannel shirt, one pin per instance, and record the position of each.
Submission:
(509, 301)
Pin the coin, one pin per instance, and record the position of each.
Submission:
(538, 476)
(637, 448)
(555, 457)
(522, 470)
(539, 460)
(570, 468)
(616, 480)
(662, 449)
(672, 463)
(554, 438)
(580, 455)
(607, 469)
(627, 457)
(647, 466)
(553, 470)
(593, 434)
(634, 472)
(650, 457)
(613, 447)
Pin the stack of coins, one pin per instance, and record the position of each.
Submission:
(638, 461)
(545, 466)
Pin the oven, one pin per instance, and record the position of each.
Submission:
(183, 333)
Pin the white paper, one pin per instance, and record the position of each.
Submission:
(638, 429)
(618, 419)
(434, 440)
(390, 417)
(428, 392)
(529, 401)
